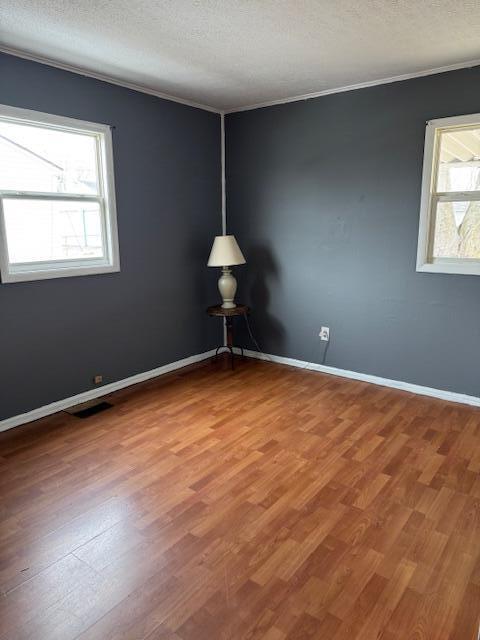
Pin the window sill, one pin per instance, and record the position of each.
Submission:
(456, 268)
(30, 276)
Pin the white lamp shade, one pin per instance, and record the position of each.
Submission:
(225, 252)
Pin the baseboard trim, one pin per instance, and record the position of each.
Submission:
(106, 389)
(450, 396)
(91, 394)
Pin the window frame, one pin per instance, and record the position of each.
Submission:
(42, 270)
(430, 197)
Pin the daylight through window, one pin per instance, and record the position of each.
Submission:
(449, 240)
(57, 197)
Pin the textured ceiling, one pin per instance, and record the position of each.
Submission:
(230, 54)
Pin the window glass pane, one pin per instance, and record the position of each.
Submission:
(39, 230)
(457, 230)
(459, 165)
(34, 158)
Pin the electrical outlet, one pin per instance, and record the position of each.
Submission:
(97, 379)
(325, 334)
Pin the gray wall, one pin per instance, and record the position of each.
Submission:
(324, 196)
(56, 334)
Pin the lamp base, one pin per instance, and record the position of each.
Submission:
(227, 285)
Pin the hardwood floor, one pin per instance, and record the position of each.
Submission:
(268, 502)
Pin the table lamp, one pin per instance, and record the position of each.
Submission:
(226, 253)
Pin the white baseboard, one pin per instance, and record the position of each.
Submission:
(91, 394)
(450, 396)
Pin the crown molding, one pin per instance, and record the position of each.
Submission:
(259, 105)
(359, 85)
(105, 78)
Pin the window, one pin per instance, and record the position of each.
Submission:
(449, 233)
(57, 198)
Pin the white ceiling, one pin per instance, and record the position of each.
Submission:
(229, 54)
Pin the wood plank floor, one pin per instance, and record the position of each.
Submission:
(269, 502)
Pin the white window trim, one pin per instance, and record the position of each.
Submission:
(425, 262)
(106, 198)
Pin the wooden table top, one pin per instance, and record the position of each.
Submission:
(218, 310)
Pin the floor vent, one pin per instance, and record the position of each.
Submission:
(88, 409)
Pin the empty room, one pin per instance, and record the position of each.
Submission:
(240, 320)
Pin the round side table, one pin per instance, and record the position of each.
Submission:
(219, 312)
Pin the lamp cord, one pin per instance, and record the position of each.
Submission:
(266, 356)
(253, 339)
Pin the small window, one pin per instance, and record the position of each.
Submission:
(449, 233)
(57, 198)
